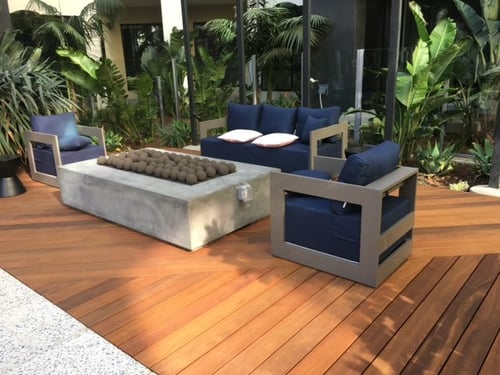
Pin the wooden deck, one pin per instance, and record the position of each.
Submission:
(231, 308)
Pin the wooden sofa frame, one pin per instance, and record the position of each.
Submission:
(402, 182)
(340, 129)
(31, 138)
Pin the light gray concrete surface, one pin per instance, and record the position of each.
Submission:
(186, 216)
(37, 337)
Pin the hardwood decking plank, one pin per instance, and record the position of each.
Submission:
(209, 316)
(65, 254)
(441, 341)
(478, 339)
(260, 350)
(366, 348)
(249, 322)
(131, 336)
(304, 352)
(492, 362)
(396, 354)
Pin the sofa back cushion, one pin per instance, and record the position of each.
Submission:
(332, 115)
(243, 116)
(277, 119)
(312, 123)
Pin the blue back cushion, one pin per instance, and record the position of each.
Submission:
(312, 123)
(332, 115)
(366, 167)
(277, 119)
(243, 116)
(370, 165)
(64, 126)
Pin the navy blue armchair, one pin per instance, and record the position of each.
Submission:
(358, 225)
(57, 139)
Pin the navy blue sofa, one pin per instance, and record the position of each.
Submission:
(359, 226)
(317, 130)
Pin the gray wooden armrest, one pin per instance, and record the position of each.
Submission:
(92, 131)
(345, 192)
(340, 129)
(31, 137)
(207, 125)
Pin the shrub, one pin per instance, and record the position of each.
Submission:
(482, 156)
(178, 134)
(437, 159)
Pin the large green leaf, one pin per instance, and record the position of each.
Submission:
(411, 90)
(420, 58)
(420, 21)
(79, 58)
(442, 37)
(475, 23)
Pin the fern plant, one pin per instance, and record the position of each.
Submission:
(437, 159)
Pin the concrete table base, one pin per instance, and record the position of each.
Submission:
(186, 216)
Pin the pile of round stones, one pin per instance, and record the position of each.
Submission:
(168, 165)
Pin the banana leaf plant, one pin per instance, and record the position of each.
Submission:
(482, 83)
(102, 78)
(422, 89)
(211, 93)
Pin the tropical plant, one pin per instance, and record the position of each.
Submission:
(483, 155)
(178, 134)
(136, 122)
(160, 62)
(437, 159)
(422, 90)
(114, 141)
(44, 26)
(211, 93)
(285, 100)
(271, 34)
(478, 73)
(146, 107)
(483, 85)
(28, 86)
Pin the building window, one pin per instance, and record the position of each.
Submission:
(135, 40)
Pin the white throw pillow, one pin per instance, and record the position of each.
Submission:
(240, 135)
(275, 140)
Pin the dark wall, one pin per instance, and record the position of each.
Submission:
(4, 16)
(332, 61)
(364, 24)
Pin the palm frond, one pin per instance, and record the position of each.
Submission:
(43, 7)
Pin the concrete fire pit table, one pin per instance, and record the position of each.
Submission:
(186, 216)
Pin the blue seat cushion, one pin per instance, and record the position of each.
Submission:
(288, 158)
(44, 158)
(332, 115)
(243, 116)
(215, 147)
(64, 127)
(312, 123)
(277, 119)
(309, 222)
